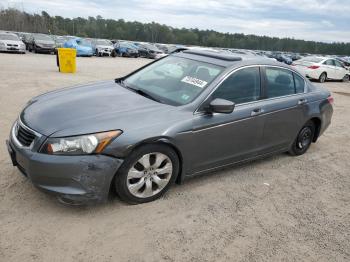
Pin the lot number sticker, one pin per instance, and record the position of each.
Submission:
(194, 81)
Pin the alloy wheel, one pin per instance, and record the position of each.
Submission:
(304, 138)
(323, 78)
(149, 175)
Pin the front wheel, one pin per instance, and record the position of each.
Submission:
(147, 174)
(303, 140)
(346, 78)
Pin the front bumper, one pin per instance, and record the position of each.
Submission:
(105, 51)
(13, 49)
(73, 179)
(44, 49)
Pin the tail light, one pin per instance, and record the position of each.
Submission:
(314, 67)
(330, 99)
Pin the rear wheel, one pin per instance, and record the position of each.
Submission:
(323, 77)
(147, 174)
(303, 140)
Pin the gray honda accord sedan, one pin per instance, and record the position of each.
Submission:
(185, 114)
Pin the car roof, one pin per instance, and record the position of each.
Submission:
(227, 60)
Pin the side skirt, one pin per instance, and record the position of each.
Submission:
(238, 163)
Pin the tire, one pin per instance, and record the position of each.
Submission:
(303, 140)
(346, 78)
(136, 184)
(323, 77)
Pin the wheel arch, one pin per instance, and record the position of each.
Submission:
(167, 142)
(318, 123)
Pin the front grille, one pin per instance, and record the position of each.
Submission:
(12, 45)
(24, 136)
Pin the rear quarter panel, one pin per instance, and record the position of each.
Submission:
(318, 106)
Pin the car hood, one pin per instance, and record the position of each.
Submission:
(92, 108)
(45, 42)
(11, 42)
(105, 46)
(84, 47)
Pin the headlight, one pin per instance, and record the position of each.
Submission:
(2, 44)
(79, 145)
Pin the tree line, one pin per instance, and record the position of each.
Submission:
(97, 27)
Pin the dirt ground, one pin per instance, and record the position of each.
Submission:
(278, 209)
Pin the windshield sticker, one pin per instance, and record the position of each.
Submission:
(185, 97)
(194, 81)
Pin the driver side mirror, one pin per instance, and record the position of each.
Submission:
(221, 106)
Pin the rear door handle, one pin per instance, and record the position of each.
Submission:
(302, 101)
(257, 111)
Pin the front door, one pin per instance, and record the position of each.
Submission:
(339, 70)
(221, 139)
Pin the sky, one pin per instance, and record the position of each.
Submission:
(317, 20)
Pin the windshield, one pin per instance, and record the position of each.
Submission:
(151, 47)
(61, 40)
(126, 45)
(174, 80)
(103, 42)
(9, 37)
(43, 37)
(84, 42)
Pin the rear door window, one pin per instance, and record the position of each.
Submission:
(329, 62)
(279, 82)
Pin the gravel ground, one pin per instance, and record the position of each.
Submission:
(278, 209)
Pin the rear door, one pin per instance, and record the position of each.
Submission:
(329, 66)
(283, 108)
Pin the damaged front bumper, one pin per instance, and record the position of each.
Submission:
(73, 179)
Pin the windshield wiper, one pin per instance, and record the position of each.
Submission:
(140, 91)
(145, 94)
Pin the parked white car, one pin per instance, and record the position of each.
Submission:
(322, 68)
(102, 47)
(11, 43)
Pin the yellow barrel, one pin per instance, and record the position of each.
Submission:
(66, 60)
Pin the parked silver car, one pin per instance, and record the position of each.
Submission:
(182, 115)
(102, 47)
(11, 43)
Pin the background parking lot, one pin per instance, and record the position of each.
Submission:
(280, 208)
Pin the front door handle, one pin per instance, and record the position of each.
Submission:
(257, 111)
(302, 101)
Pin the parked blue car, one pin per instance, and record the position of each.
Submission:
(82, 46)
(126, 49)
